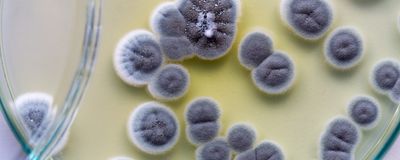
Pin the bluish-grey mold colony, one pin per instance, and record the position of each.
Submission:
(204, 28)
(344, 48)
(217, 149)
(385, 75)
(275, 75)
(241, 137)
(339, 140)
(202, 120)
(137, 57)
(254, 49)
(309, 19)
(265, 151)
(364, 111)
(207, 29)
(385, 78)
(153, 128)
(170, 83)
(35, 111)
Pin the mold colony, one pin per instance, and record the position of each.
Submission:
(207, 29)
(344, 48)
(254, 49)
(203, 28)
(36, 113)
(213, 150)
(339, 140)
(273, 72)
(153, 128)
(275, 75)
(309, 19)
(266, 150)
(170, 83)
(364, 111)
(137, 57)
(138, 61)
(202, 120)
(241, 137)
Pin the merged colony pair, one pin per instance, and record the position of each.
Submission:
(240, 139)
(311, 19)
(183, 29)
(272, 72)
(343, 134)
(154, 129)
(203, 125)
(139, 61)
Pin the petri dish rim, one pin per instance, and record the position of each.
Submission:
(88, 55)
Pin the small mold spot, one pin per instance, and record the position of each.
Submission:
(364, 111)
(171, 82)
(384, 75)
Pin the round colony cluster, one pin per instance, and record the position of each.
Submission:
(265, 151)
(385, 78)
(153, 128)
(202, 28)
(139, 61)
(241, 137)
(364, 111)
(202, 127)
(272, 72)
(202, 120)
(339, 140)
(35, 112)
(344, 48)
(309, 19)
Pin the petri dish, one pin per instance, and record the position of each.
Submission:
(294, 120)
(48, 49)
